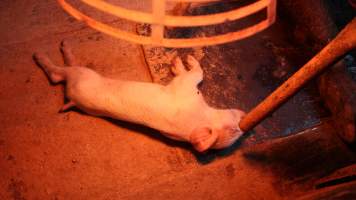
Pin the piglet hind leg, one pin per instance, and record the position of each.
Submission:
(56, 73)
(68, 56)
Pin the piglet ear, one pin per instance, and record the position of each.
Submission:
(203, 138)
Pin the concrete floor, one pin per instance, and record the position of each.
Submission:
(49, 155)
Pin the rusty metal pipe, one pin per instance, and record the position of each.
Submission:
(339, 46)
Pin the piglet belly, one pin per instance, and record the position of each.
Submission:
(137, 102)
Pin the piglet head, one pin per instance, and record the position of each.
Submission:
(223, 133)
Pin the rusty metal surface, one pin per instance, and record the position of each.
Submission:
(340, 176)
(335, 86)
(340, 192)
(340, 98)
(301, 162)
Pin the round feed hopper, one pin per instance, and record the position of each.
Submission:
(158, 20)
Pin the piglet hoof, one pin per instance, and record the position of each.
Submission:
(68, 56)
(193, 63)
(178, 67)
(67, 106)
(38, 57)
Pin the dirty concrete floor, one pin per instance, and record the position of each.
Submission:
(49, 155)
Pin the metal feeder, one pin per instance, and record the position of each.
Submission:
(159, 19)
